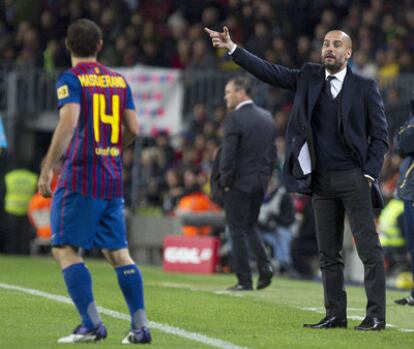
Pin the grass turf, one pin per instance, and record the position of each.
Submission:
(266, 319)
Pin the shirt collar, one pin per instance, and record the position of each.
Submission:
(339, 75)
(249, 101)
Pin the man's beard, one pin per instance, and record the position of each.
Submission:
(333, 67)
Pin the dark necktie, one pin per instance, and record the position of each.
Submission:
(328, 85)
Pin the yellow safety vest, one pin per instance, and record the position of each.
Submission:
(20, 187)
(390, 232)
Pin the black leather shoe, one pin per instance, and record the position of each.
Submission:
(371, 324)
(329, 322)
(240, 287)
(265, 279)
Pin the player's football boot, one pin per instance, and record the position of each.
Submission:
(405, 301)
(139, 336)
(82, 335)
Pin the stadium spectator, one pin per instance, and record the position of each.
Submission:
(363, 66)
(245, 164)
(194, 200)
(20, 185)
(164, 147)
(346, 163)
(388, 66)
(153, 196)
(182, 58)
(202, 59)
(405, 147)
(210, 130)
(174, 190)
(88, 212)
(304, 248)
(199, 147)
(260, 40)
(39, 216)
(198, 119)
(209, 153)
(276, 217)
(303, 50)
(390, 229)
(156, 159)
(389, 175)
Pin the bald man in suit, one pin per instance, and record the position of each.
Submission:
(335, 145)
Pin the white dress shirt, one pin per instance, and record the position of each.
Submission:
(337, 82)
(232, 50)
(249, 101)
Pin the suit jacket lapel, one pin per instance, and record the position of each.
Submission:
(315, 88)
(347, 93)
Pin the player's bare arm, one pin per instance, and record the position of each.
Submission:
(221, 40)
(131, 127)
(68, 119)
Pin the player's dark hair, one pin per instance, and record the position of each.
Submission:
(83, 37)
(242, 83)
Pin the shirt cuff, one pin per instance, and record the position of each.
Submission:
(372, 179)
(232, 50)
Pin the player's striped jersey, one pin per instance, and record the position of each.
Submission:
(93, 161)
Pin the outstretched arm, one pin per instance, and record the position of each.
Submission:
(273, 74)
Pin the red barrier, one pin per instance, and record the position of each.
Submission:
(191, 254)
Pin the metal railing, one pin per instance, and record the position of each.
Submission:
(207, 87)
(33, 90)
(28, 94)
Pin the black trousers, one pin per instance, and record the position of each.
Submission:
(337, 193)
(242, 212)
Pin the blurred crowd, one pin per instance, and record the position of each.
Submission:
(169, 33)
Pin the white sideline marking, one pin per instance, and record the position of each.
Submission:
(312, 309)
(198, 289)
(213, 342)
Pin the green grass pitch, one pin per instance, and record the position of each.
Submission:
(267, 319)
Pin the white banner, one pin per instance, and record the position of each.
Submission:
(158, 98)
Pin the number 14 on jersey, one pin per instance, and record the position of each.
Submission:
(99, 115)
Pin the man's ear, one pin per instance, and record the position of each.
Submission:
(349, 53)
(99, 46)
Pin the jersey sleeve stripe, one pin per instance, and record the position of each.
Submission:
(74, 150)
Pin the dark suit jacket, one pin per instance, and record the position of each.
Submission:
(248, 150)
(364, 126)
(405, 148)
(215, 186)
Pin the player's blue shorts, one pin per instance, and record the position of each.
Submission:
(82, 221)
